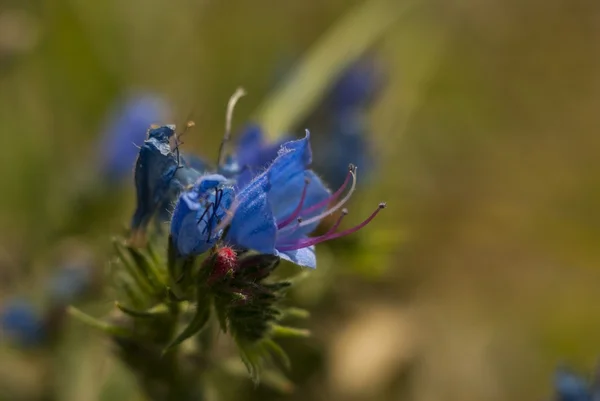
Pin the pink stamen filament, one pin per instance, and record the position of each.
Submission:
(338, 222)
(298, 209)
(330, 234)
(338, 205)
(333, 197)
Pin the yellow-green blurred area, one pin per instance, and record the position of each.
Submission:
(480, 276)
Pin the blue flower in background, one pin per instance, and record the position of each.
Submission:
(357, 86)
(125, 132)
(342, 118)
(570, 386)
(272, 214)
(347, 142)
(70, 282)
(345, 122)
(21, 323)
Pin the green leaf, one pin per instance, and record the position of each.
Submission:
(149, 269)
(160, 309)
(99, 324)
(277, 351)
(132, 268)
(196, 324)
(278, 331)
(294, 313)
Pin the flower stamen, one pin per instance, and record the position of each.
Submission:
(335, 195)
(330, 234)
(341, 203)
(298, 209)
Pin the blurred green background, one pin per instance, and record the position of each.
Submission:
(481, 275)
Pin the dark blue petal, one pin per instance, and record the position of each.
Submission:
(253, 225)
(154, 171)
(198, 212)
(347, 142)
(20, 321)
(255, 153)
(316, 193)
(249, 144)
(126, 130)
(303, 257)
(357, 85)
(287, 176)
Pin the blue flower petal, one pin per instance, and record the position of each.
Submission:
(571, 387)
(287, 177)
(198, 212)
(357, 86)
(303, 257)
(254, 150)
(20, 321)
(253, 225)
(255, 153)
(154, 171)
(316, 193)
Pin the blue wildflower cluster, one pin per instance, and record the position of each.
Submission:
(570, 386)
(229, 226)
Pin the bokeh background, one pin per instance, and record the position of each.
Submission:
(477, 280)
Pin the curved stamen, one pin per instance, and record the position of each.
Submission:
(334, 196)
(298, 209)
(341, 203)
(240, 92)
(329, 235)
(338, 222)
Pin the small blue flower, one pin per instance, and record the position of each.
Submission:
(20, 322)
(571, 387)
(272, 214)
(357, 86)
(70, 282)
(160, 175)
(126, 130)
(347, 142)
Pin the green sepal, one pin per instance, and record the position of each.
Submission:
(160, 309)
(278, 331)
(101, 325)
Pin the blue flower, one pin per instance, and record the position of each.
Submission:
(357, 86)
(571, 387)
(126, 130)
(347, 142)
(160, 175)
(272, 214)
(20, 321)
(253, 154)
(70, 282)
